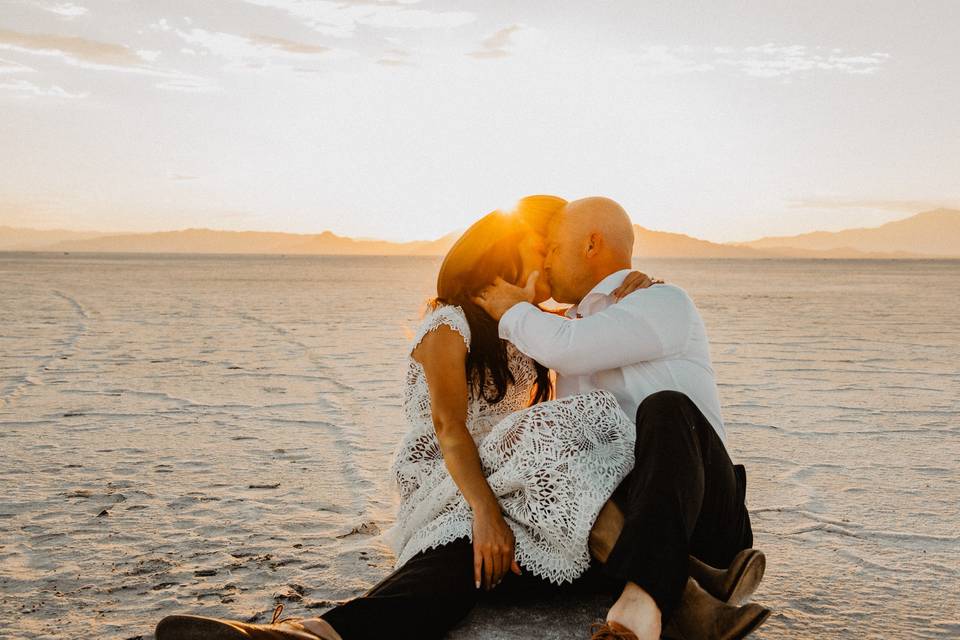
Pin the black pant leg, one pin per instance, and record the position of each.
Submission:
(660, 499)
(527, 586)
(723, 525)
(682, 497)
(424, 598)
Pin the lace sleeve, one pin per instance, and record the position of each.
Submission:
(452, 316)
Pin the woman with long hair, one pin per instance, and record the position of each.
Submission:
(497, 481)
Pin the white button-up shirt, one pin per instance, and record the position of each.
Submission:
(651, 340)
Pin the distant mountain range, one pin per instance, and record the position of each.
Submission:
(214, 241)
(934, 232)
(928, 234)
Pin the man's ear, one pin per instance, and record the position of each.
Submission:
(594, 242)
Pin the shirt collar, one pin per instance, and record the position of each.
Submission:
(601, 290)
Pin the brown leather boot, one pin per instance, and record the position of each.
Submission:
(607, 630)
(737, 582)
(732, 585)
(605, 531)
(182, 627)
(700, 616)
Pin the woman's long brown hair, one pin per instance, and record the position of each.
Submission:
(490, 250)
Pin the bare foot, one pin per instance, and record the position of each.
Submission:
(637, 611)
(321, 628)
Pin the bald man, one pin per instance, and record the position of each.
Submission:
(650, 349)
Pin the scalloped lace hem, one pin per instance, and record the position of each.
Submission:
(543, 563)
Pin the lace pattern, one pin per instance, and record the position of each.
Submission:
(552, 466)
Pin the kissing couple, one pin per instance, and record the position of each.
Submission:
(615, 479)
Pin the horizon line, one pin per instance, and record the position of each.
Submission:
(368, 239)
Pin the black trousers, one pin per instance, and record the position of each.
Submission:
(683, 497)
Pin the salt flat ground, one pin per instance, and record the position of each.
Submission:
(211, 434)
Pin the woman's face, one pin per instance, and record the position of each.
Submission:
(533, 249)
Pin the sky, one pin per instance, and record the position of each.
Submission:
(407, 119)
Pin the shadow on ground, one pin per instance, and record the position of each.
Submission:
(566, 617)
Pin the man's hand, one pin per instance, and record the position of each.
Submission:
(497, 298)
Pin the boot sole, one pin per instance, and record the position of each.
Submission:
(750, 625)
(181, 627)
(741, 628)
(748, 579)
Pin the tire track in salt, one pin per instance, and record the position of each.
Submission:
(341, 399)
(66, 349)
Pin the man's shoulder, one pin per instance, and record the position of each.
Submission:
(660, 303)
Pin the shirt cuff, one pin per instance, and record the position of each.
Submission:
(510, 321)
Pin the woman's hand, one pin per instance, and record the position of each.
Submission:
(493, 548)
(634, 280)
(497, 298)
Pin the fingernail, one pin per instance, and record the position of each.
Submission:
(478, 584)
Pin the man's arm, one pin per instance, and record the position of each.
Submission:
(647, 325)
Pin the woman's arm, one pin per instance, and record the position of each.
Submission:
(443, 354)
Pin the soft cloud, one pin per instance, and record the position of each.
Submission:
(496, 45)
(341, 19)
(396, 58)
(288, 46)
(10, 66)
(103, 56)
(255, 51)
(22, 88)
(762, 61)
(774, 61)
(187, 84)
(65, 9)
(391, 62)
(164, 25)
(149, 55)
(73, 50)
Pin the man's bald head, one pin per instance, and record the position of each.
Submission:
(590, 239)
(604, 216)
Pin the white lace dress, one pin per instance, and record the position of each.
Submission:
(552, 466)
